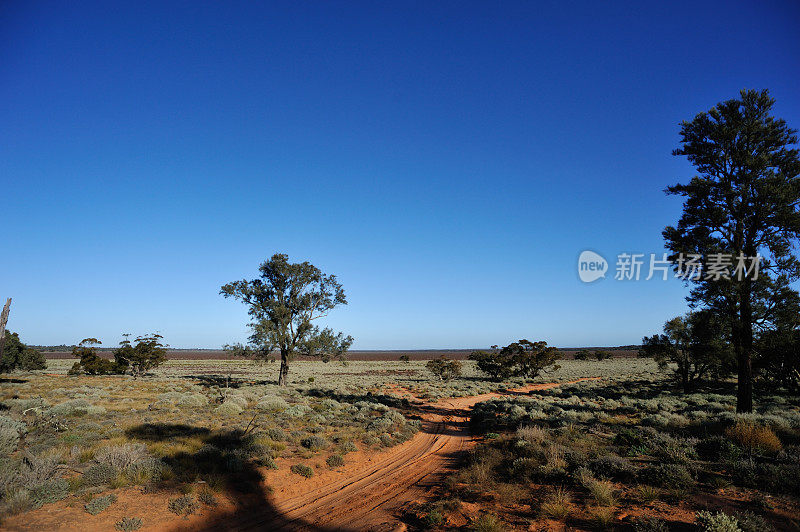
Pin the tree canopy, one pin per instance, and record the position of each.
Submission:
(519, 359)
(17, 355)
(284, 302)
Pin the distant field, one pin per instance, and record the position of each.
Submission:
(421, 354)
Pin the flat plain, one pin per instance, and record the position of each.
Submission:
(383, 445)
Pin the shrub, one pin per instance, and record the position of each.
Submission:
(647, 494)
(349, 447)
(667, 476)
(314, 443)
(302, 470)
(615, 467)
(229, 408)
(10, 433)
(335, 460)
(646, 523)
(557, 505)
(76, 408)
(603, 517)
(750, 522)
(754, 438)
(128, 524)
(532, 434)
(206, 496)
(276, 434)
(36, 470)
(145, 471)
(444, 368)
(185, 505)
(17, 500)
(50, 491)
(267, 461)
(99, 474)
(193, 399)
(717, 448)
(97, 505)
(603, 493)
(272, 404)
(718, 522)
(488, 523)
(121, 456)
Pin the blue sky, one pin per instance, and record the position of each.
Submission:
(447, 160)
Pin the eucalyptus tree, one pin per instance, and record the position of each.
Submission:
(743, 203)
(284, 302)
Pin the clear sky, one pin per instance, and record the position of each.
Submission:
(448, 161)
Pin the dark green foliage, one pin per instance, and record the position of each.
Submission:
(98, 504)
(444, 368)
(601, 354)
(17, 355)
(583, 354)
(405, 358)
(743, 202)
(777, 357)
(283, 302)
(148, 353)
(696, 344)
(302, 470)
(520, 359)
(612, 467)
(90, 362)
(718, 448)
(335, 460)
(667, 476)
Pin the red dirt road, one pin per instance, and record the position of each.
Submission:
(369, 495)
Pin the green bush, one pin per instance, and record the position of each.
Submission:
(646, 523)
(97, 505)
(128, 524)
(185, 505)
(99, 474)
(718, 522)
(314, 443)
(335, 460)
(50, 491)
(667, 476)
(302, 470)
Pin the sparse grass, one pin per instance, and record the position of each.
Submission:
(557, 505)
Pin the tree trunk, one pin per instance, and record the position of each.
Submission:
(3, 321)
(744, 389)
(283, 377)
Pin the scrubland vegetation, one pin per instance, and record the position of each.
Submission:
(79, 439)
(630, 452)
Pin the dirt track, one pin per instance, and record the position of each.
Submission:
(369, 496)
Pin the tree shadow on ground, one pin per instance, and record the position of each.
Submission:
(228, 461)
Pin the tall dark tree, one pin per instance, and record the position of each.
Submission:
(284, 303)
(743, 202)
